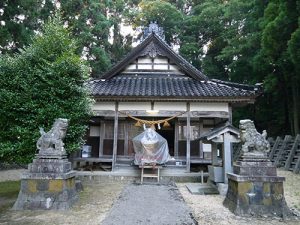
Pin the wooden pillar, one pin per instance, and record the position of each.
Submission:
(227, 164)
(126, 138)
(230, 113)
(214, 153)
(188, 138)
(101, 138)
(176, 139)
(201, 155)
(115, 141)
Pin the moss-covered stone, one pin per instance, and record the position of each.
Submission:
(70, 183)
(256, 195)
(243, 189)
(31, 185)
(266, 187)
(55, 185)
(277, 188)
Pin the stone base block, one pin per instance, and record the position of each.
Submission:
(254, 168)
(40, 165)
(256, 196)
(46, 194)
(222, 188)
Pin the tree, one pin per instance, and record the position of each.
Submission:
(42, 82)
(294, 53)
(90, 22)
(19, 19)
(120, 45)
(250, 42)
(162, 12)
(280, 24)
(209, 26)
(90, 25)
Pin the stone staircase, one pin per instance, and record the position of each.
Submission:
(286, 153)
(292, 162)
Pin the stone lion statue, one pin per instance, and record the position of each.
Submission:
(253, 141)
(52, 140)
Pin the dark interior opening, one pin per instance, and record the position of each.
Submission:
(169, 134)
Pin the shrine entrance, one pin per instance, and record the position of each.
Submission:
(169, 134)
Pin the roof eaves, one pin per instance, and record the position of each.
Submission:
(219, 131)
(247, 99)
(256, 88)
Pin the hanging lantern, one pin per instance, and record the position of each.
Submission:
(166, 124)
(138, 124)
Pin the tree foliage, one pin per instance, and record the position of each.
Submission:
(162, 12)
(279, 28)
(19, 19)
(250, 42)
(90, 22)
(246, 41)
(41, 83)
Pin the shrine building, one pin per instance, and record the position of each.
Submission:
(153, 86)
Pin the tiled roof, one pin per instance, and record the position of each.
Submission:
(193, 85)
(167, 87)
(227, 127)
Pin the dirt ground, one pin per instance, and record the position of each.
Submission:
(94, 203)
(97, 200)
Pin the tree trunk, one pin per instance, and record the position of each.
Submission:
(286, 103)
(295, 94)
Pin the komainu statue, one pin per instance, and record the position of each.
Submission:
(51, 142)
(253, 142)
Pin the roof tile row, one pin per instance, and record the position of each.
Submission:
(156, 86)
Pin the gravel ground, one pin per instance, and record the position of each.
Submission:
(209, 209)
(11, 174)
(150, 205)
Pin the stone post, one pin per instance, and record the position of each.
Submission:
(227, 162)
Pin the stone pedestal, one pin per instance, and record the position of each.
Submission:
(254, 189)
(48, 184)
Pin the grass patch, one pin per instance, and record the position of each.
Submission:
(9, 191)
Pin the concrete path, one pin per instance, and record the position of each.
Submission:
(149, 204)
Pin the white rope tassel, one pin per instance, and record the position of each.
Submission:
(144, 125)
(158, 125)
